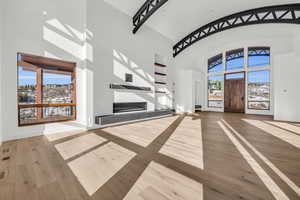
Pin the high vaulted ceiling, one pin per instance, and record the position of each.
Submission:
(178, 18)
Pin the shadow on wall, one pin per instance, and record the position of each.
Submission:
(122, 65)
(67, 41)
(63, 41)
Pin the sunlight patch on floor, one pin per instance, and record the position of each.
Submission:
(266, 160)
(142, 133)
(78, 145)
(284, 135)
(94, 169)
(186, 143)
(289, 127)
(161, 183)
(261, 173)
(57, 136)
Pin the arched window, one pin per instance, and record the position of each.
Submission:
(235, 59)
(258, 81)
(215, 64)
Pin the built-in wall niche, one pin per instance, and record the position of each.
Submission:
(128, 78)
(161, 86)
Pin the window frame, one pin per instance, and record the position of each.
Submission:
(232, 53)
(222, 84)
(215, 61)
(40, 65)
(245, 69)
(270, 90)
(258, 48)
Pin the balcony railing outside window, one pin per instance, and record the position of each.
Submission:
(46, 90)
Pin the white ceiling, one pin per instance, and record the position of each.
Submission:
(177, 18)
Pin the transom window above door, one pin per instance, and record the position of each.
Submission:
(234, 76)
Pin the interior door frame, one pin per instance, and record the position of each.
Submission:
(244, 88)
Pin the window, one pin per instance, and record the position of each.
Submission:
(235, 59)
(46, 90)
(215, 91)
(128, 78)
(215, 64)
(258, 56)
(259, 90)
(235, 76)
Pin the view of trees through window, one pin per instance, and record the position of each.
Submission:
(44, 94)
(215, 91)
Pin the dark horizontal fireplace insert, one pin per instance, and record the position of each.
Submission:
(129, 107)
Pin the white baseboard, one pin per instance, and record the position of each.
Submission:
(25, 135)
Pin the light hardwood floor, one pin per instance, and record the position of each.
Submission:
(200, 156)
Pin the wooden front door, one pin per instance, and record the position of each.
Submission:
(234, 92)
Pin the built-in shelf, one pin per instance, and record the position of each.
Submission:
(160, 74)
(160, 83)
(128, 87)
(160, 92)
(160, 65)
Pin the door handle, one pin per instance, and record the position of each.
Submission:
(242, 98)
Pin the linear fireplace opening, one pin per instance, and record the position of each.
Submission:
(129, 107)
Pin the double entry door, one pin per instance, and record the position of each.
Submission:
(234, 92)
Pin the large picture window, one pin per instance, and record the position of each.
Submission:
(258, 56)
(46, 90)
(259, 90)
(215, 92)
(235, 59)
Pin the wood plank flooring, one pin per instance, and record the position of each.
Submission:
(153, 185)
(189, 157)
(185, 144)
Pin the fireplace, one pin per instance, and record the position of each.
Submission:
(129, 107)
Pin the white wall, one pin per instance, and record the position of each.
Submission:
(286, 86)
(184, 100)
(94, 35)
(99, 39)
(282, 40)
(117, 51)
(1, 30)
(52, 28)
(200, 79)
(186, 90)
